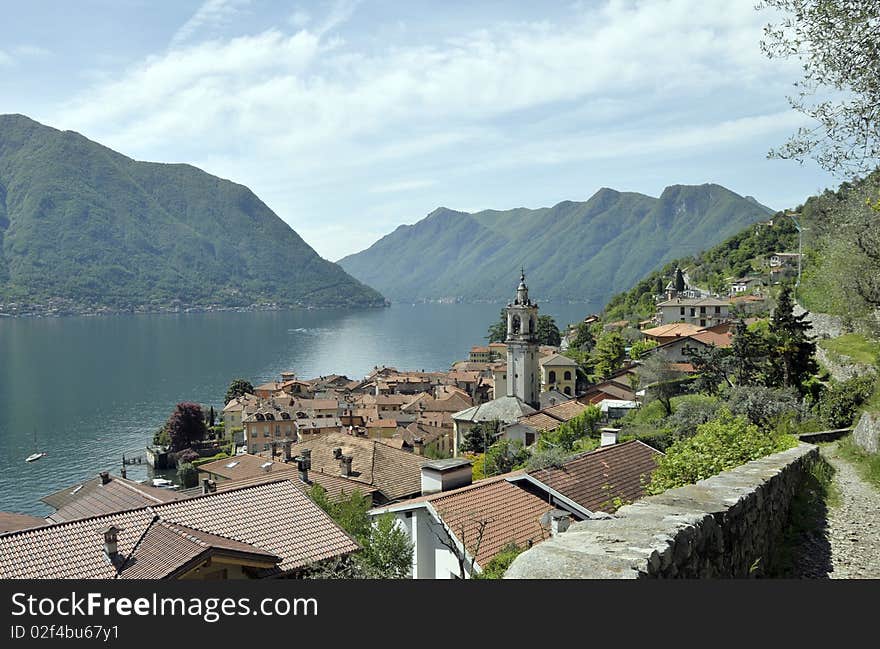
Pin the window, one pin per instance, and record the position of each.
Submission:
(567, 390)
(567, 375)
(681, 310)
(718, 308)
(551, 377)
(702, 323)
(693, 312)
(702, 310)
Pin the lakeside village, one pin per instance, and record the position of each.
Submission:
(402, 473)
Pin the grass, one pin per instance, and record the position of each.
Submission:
(866, 464)
(855, 346)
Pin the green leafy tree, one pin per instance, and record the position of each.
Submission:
(238, 388)
(185, 425)
(679, 280)
(567, 435)
(838, 47)
(609, 353)
(546, 332)
(748, 354)
(387, 551)
(660, 380)
(718, 445)
(839, 403)
(584, 339)
(713, 366)
(791, 346)
(187, 475)
(639, 348)
(504, 456)
(763, 405)
(349, 510)
(480, 436)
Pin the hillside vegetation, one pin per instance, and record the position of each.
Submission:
(578, 251)
(88, 227)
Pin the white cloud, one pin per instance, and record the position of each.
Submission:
(5, 59)
(298, 113)
(211, 14)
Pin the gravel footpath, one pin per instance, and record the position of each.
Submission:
(853, 524)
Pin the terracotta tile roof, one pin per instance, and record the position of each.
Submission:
(167, 549)
(395, 473)
(513, 515)
(593, 480)
(605, 390)
(713, 338)
(275, 518)
(701, 301)
(12, 522)
(541, 421)
(335, 485)
(92, 498)
(566, 410)
(672, 329)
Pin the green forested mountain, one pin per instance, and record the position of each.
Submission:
(584, 251)
(88, 227)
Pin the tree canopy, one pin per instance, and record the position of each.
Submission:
(238, 388)
(838, 46)
(185, 425)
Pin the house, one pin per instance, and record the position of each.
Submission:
(235, 411)
(668, 332)
(103, 494)
(507, 410)
(616, 408)
(457, 527)
(267, 530)
(247, 470)
(676, 350)
(394, 473)
(787, 260)
(704, 312)
(599, 480)
(479, 355)
(558, 372)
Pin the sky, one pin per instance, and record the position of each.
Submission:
(349, 118)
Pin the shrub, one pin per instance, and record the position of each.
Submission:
(718, 445)
(762, 405)
(839, 404)
(187, 475)
(204, 460)
(499, 564)
(187, 456)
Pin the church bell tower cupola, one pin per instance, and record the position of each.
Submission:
(522, 346)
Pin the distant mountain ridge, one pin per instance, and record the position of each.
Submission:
(92, 228)
(573, 251)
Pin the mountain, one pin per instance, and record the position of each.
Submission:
(86, 227)
(574, 251)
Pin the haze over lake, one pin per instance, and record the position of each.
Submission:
(91, 389)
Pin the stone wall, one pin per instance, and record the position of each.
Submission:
(866, 434)
(842, 367)
(725, 526)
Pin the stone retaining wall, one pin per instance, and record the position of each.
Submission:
(866, 434)
(725, 526)
(842, 367)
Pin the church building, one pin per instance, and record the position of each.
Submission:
(523, 371)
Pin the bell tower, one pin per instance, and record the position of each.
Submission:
(522, 346)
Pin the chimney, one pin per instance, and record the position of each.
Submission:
(609, 436)
(418, 446)
(345, 465)
(286, 447)
(273, 446)
(111, 548)
(105, 477)
(443, 475)
(337, 453)
(559, 522)
(208, 486)
(304, 463)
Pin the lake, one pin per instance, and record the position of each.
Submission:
(92, 388)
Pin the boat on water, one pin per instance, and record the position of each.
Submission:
(163, 483)
(36, 455)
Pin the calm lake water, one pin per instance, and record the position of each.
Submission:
(91, 389)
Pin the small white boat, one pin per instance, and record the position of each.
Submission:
(33, 457)
(162, 482)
